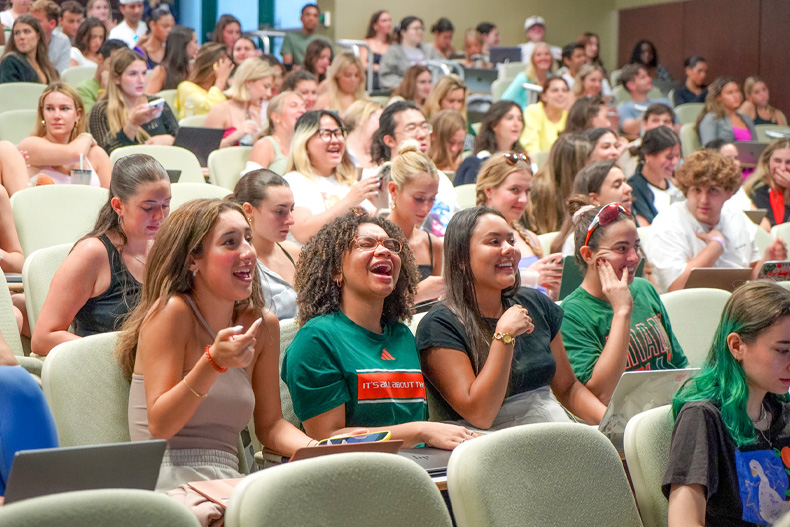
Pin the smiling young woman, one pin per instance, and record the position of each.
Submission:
(353, 363)
(493, 351)
(613, 315)
(201, 352)
(322, 175)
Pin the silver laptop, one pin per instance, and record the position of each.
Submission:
(637, 392)
(749, 152)
(115, 466)
(199, 141)
(433, 460)
(727, 278)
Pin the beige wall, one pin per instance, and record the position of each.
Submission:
(565, 19)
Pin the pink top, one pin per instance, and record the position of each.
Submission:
(741, 134)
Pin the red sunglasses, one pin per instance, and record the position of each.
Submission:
(605, 217)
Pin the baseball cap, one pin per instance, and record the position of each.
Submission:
(127, 2)
(529, 22)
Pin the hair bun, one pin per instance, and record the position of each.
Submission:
(409, 145)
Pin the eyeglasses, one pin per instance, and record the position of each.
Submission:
(411, 129)
(605, 217)
(512, 158)
(326, 134)
(369, 243)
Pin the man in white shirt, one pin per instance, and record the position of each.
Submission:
(535, 30)
(47, 13)
(696, 233)
(131, 30)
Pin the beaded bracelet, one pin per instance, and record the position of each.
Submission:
(214, 364)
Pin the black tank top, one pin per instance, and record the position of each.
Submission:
(107, 311)
(426, 270)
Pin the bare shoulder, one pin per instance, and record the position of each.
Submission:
(294, 250)
(172, 313)
(91, 250)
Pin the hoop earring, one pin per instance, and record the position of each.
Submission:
(339, 282)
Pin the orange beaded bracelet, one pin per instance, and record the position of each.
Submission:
(214, 364)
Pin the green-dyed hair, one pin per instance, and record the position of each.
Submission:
(752, 309)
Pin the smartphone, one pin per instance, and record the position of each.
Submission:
(156, 103)
(384, 435)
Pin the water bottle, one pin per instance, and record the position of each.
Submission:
(189, 107)
(247, 139)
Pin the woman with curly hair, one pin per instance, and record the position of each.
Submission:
(731, 420)
(493, 350)
(353, 363)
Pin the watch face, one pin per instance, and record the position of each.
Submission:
(506, 338)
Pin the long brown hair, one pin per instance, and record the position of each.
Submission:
(553, 182)
(203, 69)
(42, 56)
(460, 281)
(177, 244)
(117, 111)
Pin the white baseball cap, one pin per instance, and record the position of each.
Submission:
(531, 21)
(127, 2)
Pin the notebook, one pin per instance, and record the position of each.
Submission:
(727, 278)
(637, 392)
(116, 466)
(199, 141)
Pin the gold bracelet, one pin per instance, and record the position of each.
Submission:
(191, 389)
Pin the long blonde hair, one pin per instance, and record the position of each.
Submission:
(117, 111)
(493, 173)
(762, 174)
(61, 87)
(553, 183)
(448, 83)
(178, 243)
(339, 64)
(299, 160)
(409, 162)
(748, 86)
(532, 71)
(584, 72)
(251, 69)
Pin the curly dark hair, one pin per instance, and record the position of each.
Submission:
(322, 258)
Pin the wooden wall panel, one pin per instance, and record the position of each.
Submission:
(775, 51)
(660, 24)
(726, 32)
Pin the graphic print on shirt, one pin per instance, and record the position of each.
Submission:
(330, 199)
(763, 485)
(382, 385)
(649, 342)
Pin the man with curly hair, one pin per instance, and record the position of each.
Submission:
(701, 231)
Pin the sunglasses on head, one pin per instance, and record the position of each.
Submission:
(512, 158)
(605, 217)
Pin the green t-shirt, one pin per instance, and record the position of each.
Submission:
(89, 91)
(332, 361)
(588, 320)
(295, 44)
